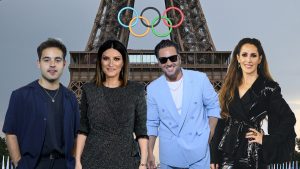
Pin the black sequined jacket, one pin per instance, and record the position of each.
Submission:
(278, 145)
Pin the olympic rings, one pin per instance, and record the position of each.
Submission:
(159, 16)
(154, 22)
(119, 14)
(139, 35)
(161, 35)
(177, 9)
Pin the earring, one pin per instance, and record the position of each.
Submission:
(239, 65)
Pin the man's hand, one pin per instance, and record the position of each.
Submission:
(151, 161)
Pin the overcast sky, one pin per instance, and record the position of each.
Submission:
(24, 24)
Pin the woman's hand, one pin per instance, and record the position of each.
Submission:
(151, 161)
(78, 164)
(143, 166)
(254, 136)
(214, 166)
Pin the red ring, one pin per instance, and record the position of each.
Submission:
(177, 9)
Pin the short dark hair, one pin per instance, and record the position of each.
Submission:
(99, 77)
(163, 44)
(51, 42)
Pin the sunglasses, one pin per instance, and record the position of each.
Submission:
(164, 60)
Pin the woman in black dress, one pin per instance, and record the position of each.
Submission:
(257, 125)
(112, 109)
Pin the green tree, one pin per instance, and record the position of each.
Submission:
(297, 153)
(298, 143)
(3, 148)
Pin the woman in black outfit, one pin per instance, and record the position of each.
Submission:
(112, 109)
(257, 125)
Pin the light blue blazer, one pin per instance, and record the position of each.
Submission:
(183, 139)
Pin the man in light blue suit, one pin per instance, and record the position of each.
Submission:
(182, 110)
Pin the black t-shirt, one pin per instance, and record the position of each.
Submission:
(54, 137)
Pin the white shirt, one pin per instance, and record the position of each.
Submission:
(176, 89)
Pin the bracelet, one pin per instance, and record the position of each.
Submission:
(143, 164)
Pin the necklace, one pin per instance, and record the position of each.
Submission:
(52, 98)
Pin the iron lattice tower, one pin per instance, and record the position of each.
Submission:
(197, 49)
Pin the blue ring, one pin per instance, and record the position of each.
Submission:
(134, 11)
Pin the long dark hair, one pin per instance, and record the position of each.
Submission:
(99, 77)
(234, 74)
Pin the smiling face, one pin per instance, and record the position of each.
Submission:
(112, 63)
(51, 64)
(171, 69)
(249, 59)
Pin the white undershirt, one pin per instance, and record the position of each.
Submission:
(176, 89)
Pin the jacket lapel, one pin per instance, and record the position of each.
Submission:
(188, 87)
(257, 96)
(168, 99)
(236, 106)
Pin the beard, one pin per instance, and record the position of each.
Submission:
(174, 76)
(49, 80)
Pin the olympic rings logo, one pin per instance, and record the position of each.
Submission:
(154, 22)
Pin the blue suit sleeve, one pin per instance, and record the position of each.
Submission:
(210, 99)
(152, 115)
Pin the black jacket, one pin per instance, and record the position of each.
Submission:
(266, 96)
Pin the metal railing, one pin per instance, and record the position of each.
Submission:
(6, 164)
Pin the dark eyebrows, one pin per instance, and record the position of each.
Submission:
(48, 57)
(251, 54)
(110, 56)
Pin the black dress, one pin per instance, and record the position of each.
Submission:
(229, 144)
(109, 117)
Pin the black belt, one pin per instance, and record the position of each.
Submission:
(54, 155)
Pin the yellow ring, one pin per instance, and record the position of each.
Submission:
(139, 35)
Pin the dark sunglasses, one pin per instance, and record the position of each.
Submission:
(164, 60)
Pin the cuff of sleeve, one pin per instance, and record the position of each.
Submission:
(152, 131)
(84, 132)
(214, 113)
(142, 136)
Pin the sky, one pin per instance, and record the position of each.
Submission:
(25, 24)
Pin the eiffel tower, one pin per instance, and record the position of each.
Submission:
(197, 49)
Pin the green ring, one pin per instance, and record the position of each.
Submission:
(158, 34)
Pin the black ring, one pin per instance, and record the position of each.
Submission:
(159, 18)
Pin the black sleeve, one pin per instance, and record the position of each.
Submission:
(140, 128)
(11, 117)
(76, 112)
(215, 153)
(280, 142)
(84, 121)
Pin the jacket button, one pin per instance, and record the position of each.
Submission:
(195, 102)
(163, 110)
(170, 123)
(192, 117)
(45, 119)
